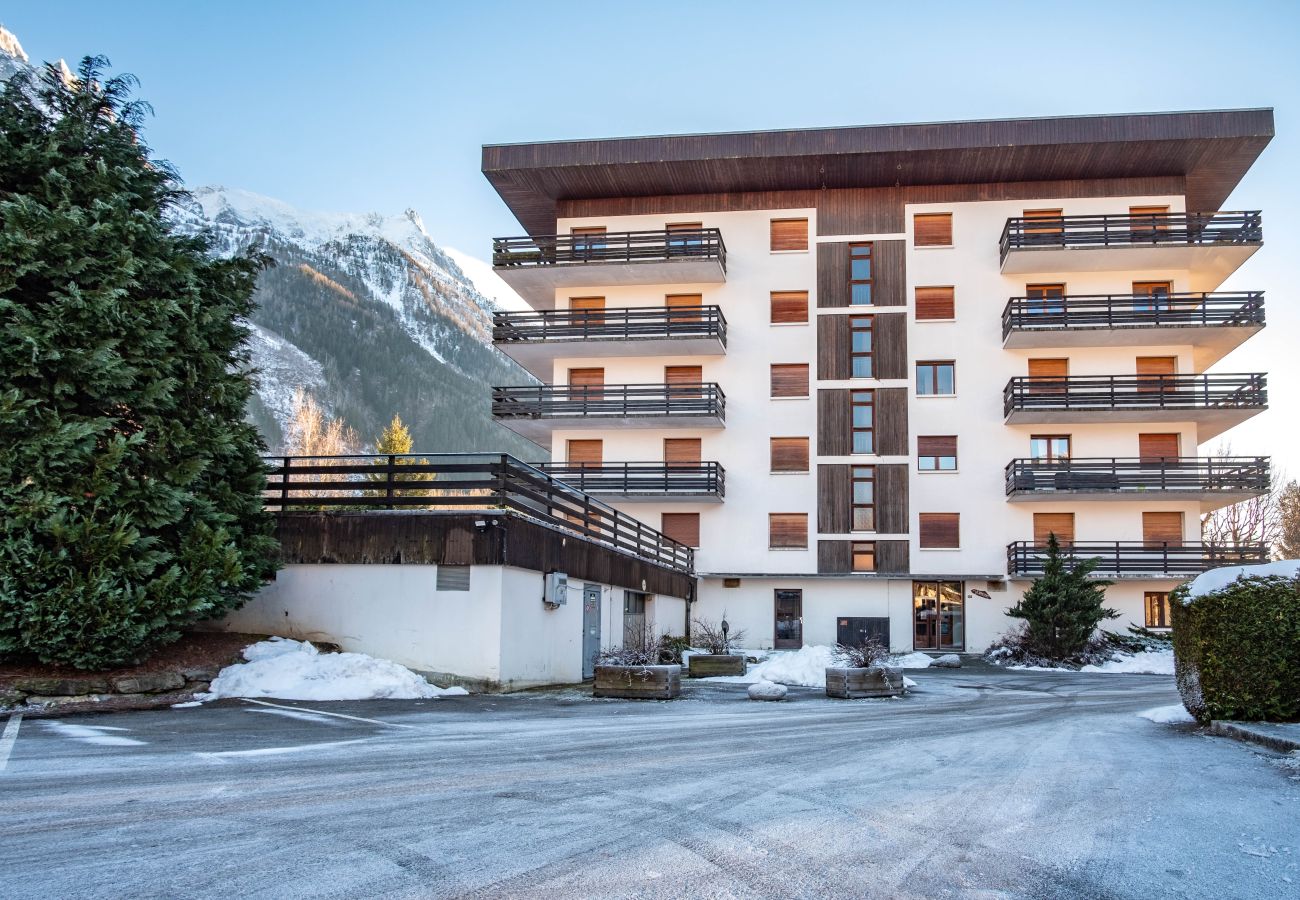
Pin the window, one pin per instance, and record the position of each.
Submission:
(932, 230)
(864, 498)
(1147, 222)
(1162, 529)
(1047, 225)
(789, 454)
(1045, 299)
(935, 379)
(940, 531)
(789, 307)
(1049, 446)
(936, 453)
(451, 578)
(935, 304)
(863, 405)
(1150, 295)
(682, 451)
(789, 379)
(587, 239)
(1048, 524)
(683, 236)
(789, 234)
(1157, 604)
(860, 346)
(787, 531)
(861, 276)
(633, 618)
(682, 527)
(864, 556)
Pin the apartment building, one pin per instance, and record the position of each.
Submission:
(867, 371)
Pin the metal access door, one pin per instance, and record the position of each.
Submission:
(590, 628)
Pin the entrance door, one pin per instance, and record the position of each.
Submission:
(590, 628)
(789, 620)
(938, 615)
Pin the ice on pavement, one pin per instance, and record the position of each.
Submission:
(807, 667)
(1214, 579)
(295, 670)
(1168, 715)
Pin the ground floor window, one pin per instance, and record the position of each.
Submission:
(1157, 603)
(938, 615)
(789, 619)
(633, 617)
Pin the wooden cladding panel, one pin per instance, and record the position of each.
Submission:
(587, 377)
(932, 229)
(1162, 528)
(936, 445)
(590, 451)
(834, 422)
(935, 303)
(891, 422)
(832, 275)
(789, 307)
(892, 498)
(789, 379)
(1060, 524)
(892, 557)
(682, 450)
(789, 454)
(682, 527)
(787, 531)
(834, 499)
(834, 557)
(1049, 368)
(888, 261)
(789, 234)
(889, 340)
(833, 346)
(1157, 446)
(683, 375)
(939, 531)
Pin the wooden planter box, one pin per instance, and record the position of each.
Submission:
(853, 684)
(706, 665)
(638, 682)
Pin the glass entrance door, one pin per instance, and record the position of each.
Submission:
(938, 609)
(789, 620)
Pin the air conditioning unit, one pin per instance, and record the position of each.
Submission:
(556, 591)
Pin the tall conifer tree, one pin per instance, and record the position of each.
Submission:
(1063, 607)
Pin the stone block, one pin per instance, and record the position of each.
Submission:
(72, 686)
(151, 683)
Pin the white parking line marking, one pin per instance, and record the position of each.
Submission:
(322, 712)
(222, 755)
(298, 715)
(93, 734)
(9, 738)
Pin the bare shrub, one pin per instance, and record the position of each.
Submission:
(871, 653)
(639, 649)
(711, 637)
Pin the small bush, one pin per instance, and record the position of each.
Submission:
(711, 637)
(1237, 650)
(671, 647)
(1017, 648)
(871, 653)
(641, 649)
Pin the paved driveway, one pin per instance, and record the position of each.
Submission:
(979, 785)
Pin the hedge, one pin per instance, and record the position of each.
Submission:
(1237, 650)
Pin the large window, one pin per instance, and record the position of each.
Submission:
(1049, 446)
(861, 276)
(864, 556)
(1157, 604)
(939, 531)
(935, 379)
(860, 348)
(787, 531)
(864, 498)
(937, 453)
(864, 421)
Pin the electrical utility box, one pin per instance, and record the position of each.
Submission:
(556, 591)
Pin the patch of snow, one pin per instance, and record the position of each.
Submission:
(295, 670)
(908, 683)
(1216, 579)
(187, 705)
(807, 666)
(767, 690)
(914, 660)
(1148, 662)
(1168, 715)
(92, 734)
(9, 45)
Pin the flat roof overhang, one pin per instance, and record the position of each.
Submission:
(539, 429)
(1211, 149)
(1209, 343)
(1209, 499)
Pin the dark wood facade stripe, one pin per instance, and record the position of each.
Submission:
(888, 263)
(889, 340)
(835, 557)
(893, 557)
(834, 499)
(832, 275)
(834, 422)
(833, 344)
(892, 498)
(891, 422)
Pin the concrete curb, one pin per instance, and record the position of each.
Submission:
(1257, 733)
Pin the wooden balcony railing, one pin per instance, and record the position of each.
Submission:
(706, 479)
(611, 401)
(1175, 392)
(611, 247)
(463, 482)
(610, 324)
(1160, 229)
(1175, 475)
(1224, 309)
(1138, 558)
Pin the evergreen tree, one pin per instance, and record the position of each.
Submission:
(130, 484)
(1063, 607)
(396, 439)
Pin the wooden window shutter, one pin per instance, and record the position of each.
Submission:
(834, 422)
(587, 451)
(790, 380)
(789, 307)
(1157, 365)
(586, 303)
(890, 341)
(935, 303)
(686, 307)
(1153, 447)
(682, 527)
(1059, 524)
(932, 229)
(683, 374)
(1162, 528)
(789, 454)
(1049, 368)
(789, 234)
(684, 226)
(586, 377)
(588, 230)
(936, 445)
(940, 531)
(682, 450)
(787, 531)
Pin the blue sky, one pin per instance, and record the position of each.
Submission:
(384, 105)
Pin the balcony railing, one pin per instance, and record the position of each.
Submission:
(1138, 558)
(1226, 309)
(611, 401)
(610, 324)
(462, 482)
(645, 478)
(1167, 392)
(1159, 229)
(1186, 475)
(612, 247)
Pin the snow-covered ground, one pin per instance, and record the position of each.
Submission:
(807, 667)
(1215, 579)
(1168, 715)
(1148, 662)
(296, 670)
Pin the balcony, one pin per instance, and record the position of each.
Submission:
(699, 482)
(1209, 245)
(1213, 323)
(536, 339)
(535, 412)
(1214, 402)
(536, 266)
(1138, 559)
(1214, 482)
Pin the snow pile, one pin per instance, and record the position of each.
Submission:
(807, 667)
(913, 660)
(1148, 662)
(1216, 579)
(296, 670)
(1168, 715)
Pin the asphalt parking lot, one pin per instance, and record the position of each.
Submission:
(980, 784)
